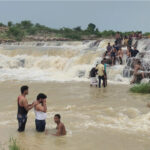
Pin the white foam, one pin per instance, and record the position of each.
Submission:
(54, 65)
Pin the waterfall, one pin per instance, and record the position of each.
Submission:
(144, 57)
(62, 61)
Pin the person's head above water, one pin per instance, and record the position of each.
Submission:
(41, 97)
(57, 118)
(24, 90)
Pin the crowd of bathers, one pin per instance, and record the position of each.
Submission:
(114, 52)
(113, 55)
(40, 109)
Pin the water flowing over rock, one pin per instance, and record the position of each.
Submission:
(63, 60)
(144, 57)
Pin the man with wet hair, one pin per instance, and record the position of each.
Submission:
(40, 112)
(23, 108)
(61, 130)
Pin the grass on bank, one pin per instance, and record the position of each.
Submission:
(141, 88)
(13, 144)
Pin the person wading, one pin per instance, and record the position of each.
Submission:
(101, 73)
(40, 112)
(23, 108)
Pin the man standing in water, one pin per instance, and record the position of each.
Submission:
(101, 73)
(93, 79)
(61, 130)
(105, 74)
(40, 112)
(23, 108)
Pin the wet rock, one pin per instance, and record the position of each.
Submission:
(81, 73)
(146, 80)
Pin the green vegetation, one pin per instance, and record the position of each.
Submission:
(20, 31)
(13, 145)
(141, 88)
(147, 34)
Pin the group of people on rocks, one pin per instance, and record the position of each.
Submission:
(113, 54)
(40, 109)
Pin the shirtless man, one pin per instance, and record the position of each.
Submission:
(137, 69)
(60, 126)
(120, 56)
(113, 56)
(23, 108)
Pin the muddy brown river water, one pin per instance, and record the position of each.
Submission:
(95, 119)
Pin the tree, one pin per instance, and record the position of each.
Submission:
(15, 32)
(78, 29)
(10, 24)
(2, 25)
(26, 24)
(91, 28)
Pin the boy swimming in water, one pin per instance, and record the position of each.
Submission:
(60, 126)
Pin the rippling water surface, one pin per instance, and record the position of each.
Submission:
(106, 119)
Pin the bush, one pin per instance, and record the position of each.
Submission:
(16, 33)
(141, 88)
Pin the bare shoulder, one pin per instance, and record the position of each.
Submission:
(23, 99)
(62, 125)
(38, 106)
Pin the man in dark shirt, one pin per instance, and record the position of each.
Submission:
(113, 56)
(93, 74)
(23, 108)
(134, 52)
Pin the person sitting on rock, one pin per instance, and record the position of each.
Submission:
(120, 56)
(137, 72)
(134, 52)
(113, 56)
(108, 51)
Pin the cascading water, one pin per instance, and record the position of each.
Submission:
(57, 61)
(144, 57)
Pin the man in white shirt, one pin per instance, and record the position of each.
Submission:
(40, 112)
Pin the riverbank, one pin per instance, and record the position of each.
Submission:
(141, 88)
(28, 31)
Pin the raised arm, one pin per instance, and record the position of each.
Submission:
(42, 108)
(26, 105)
